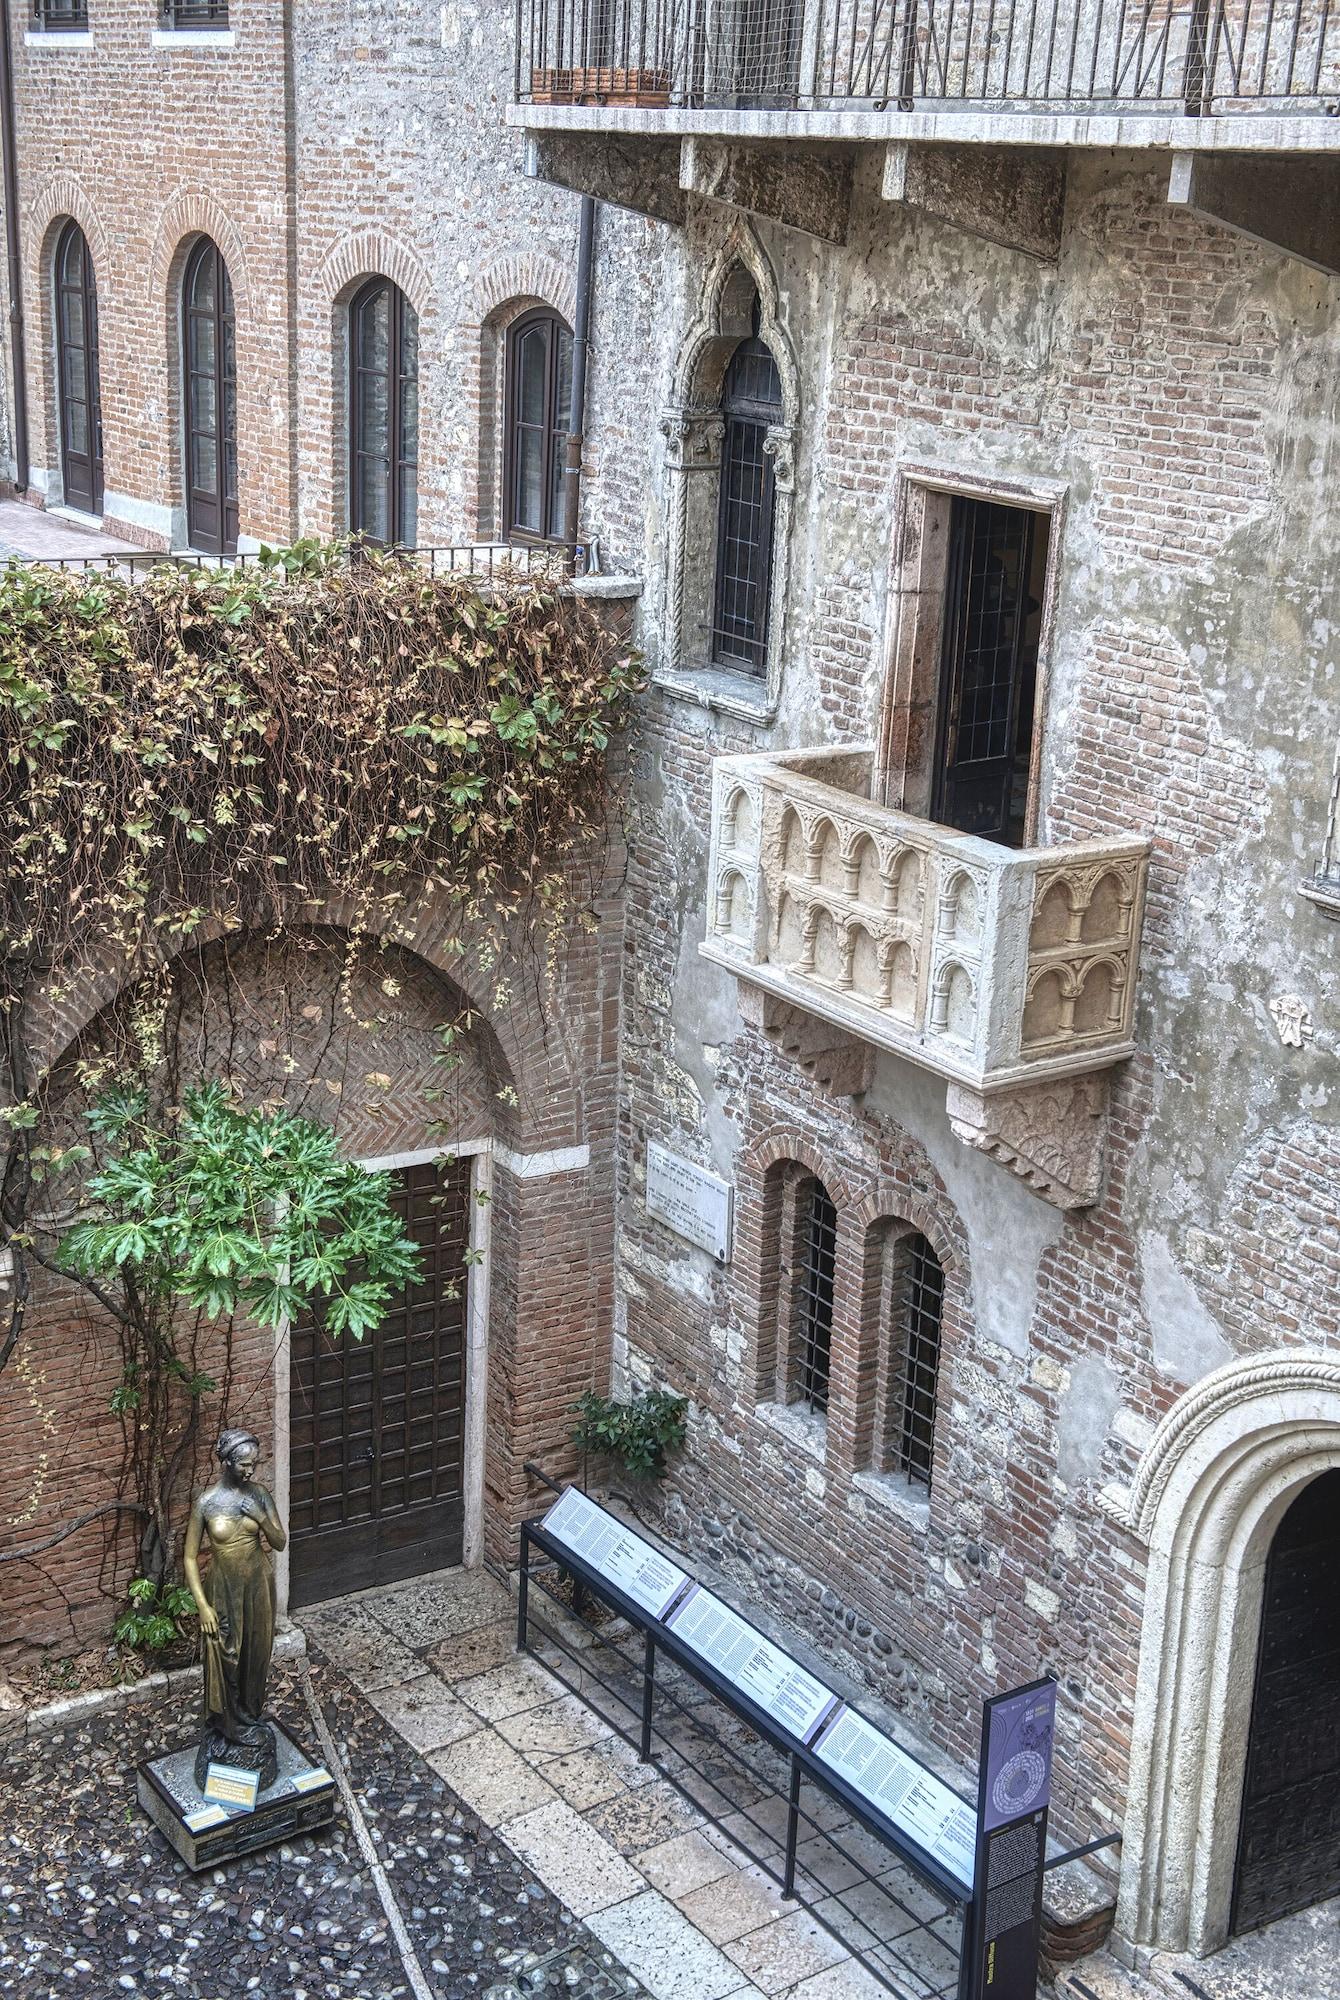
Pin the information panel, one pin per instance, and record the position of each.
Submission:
(640, 1571)
(904, 1791)
(778, 1684)
(1014, 1789)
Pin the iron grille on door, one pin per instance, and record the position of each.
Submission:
(988, 672)
(1289, 1838)
(751, 402)
(814, 1298)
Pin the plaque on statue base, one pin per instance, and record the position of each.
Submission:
(206, 1830)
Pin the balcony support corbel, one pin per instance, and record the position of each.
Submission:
(803, 187)
(1285, 202)
(838, 1062)
(1052, 1136)
(1006, 194)
(638, 174)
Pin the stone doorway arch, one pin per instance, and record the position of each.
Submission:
(1217, 1479)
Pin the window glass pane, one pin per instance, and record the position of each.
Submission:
(204, 404)
(204, 463)
(202, 342)
(76, 426)
(373, 495)
(409, 422)
(530, 495)
(72, 257)
(563, 382)
(72, 313)
(374, 415)
(374, 331)
(409, 342)
(409, 506)
(226, 291)
(201, 288)
(532, 375)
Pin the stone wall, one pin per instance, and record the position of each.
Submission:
(1163, 380)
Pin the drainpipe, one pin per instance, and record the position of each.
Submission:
(11, 172)
(581, 337)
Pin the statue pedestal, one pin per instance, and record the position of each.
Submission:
(204, 1834)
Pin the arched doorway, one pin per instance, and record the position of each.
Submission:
(209, 401)
(1289, 1836)
(77, 368)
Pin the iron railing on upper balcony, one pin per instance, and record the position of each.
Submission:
(1091, 56)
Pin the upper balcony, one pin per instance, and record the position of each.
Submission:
(1009, 972)
(695, 90)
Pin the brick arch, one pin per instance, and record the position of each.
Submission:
(781, 1144)
(507, 288)
(191, 213)
(374, 253)
(61, 198)
(914, 1212)
(537, 1074)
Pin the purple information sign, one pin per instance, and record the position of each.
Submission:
(1019, 1755)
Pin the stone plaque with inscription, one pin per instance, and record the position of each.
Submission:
(689, 1199)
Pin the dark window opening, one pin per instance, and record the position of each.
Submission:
(813, 1343)
(209, 401)
(383, 415)
(537, 416)
(751, 402)
(55, 16)
(917, 1311)
(193, 14)
(77, 371)
(997, 563)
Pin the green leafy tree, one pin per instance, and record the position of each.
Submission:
(229, 1209)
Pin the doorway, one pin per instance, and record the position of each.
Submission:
(210, 401)
(1289, 1834)
(377, 1428)
(994, 589)
(77, 359)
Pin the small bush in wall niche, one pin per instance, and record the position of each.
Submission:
(636, 1435)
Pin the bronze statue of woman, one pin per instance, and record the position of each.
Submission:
(236, 1602)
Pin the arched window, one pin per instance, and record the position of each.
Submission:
(77, 368)
(915, 1314)
(537, 415)
(812, 1319)
(384, 415)
(209, 399)
(751, 402)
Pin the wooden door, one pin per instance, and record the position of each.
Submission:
(1289, 1840)
(77, 352)
(377, 1427)
(210, 401)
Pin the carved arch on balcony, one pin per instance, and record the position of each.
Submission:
(694, 428)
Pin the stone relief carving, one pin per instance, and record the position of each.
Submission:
(1051, 1136)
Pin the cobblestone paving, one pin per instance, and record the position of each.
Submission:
(93, 1902)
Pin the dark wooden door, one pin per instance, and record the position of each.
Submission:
(210, 401)
(1289, 1842)
(77, 351)
(377, 1427)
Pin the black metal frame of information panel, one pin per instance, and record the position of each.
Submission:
(962, 1931)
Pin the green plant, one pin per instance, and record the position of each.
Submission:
(637, 1434)
(156, 1617)
(228, 1208)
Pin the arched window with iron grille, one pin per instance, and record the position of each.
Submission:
(77, 369)
(537, 416)
(209, 400)
(383, 415)
(916, 1314)
(751, 403)
(810, 1360)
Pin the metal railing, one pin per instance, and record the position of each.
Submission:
(57, 16)
(1093, 56)
(487, 561)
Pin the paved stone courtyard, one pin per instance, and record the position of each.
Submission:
(523, 1847)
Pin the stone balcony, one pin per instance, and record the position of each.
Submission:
(1011, 973)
